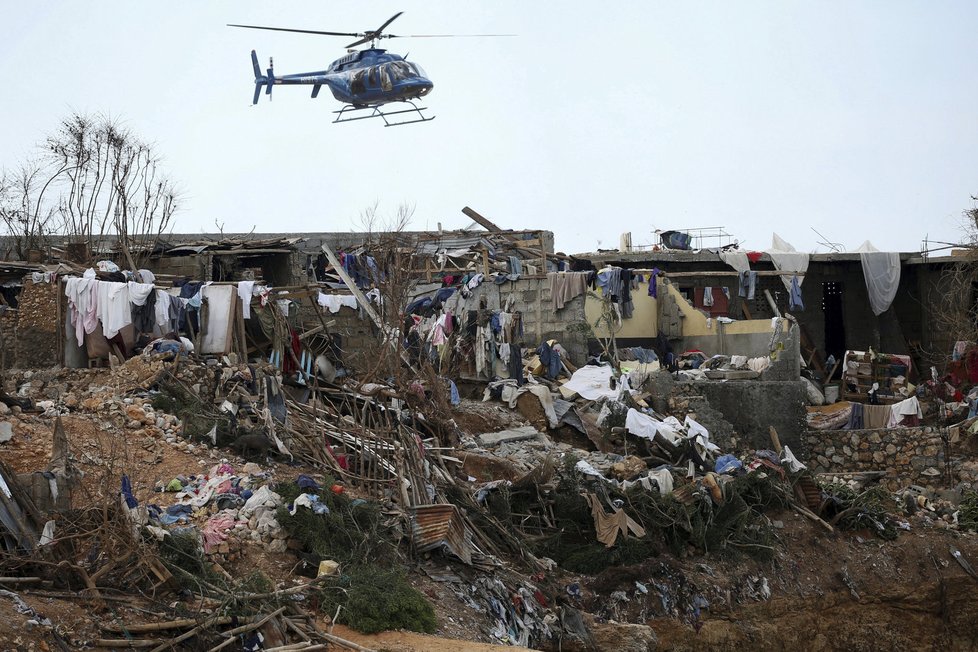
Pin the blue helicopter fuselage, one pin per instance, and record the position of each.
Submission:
(370, 77)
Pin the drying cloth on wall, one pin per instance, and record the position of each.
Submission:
(334, 302)
(565, 286)
(787, 259)
(245, 290)
(736, 259)
(875, 416)
(881, 270)
(707, 296)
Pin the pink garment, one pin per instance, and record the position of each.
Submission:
(82, 304)
(215, 531)
(440, 331)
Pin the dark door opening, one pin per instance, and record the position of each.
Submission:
(835, 330)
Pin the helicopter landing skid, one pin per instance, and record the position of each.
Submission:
(346, 114)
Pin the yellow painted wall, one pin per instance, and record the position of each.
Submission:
(644, 320)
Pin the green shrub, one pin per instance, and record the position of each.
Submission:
(968, 511)
(377, 600)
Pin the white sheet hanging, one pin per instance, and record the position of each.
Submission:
(736, 258)
(787, 259)
(881, 269)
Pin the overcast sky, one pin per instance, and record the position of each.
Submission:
(858, 119)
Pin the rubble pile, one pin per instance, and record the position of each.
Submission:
(262, 492)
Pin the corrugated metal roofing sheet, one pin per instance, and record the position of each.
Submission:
(434, 526)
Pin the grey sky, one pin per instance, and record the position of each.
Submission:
(855, 118)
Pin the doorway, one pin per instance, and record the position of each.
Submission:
(835, 330)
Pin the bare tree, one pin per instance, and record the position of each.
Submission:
(111, 183)
(93, 179)
(957, 315)
(27, 211)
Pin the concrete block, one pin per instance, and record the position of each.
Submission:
(491, 439)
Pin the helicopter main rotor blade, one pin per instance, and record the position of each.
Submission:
(300, 31)
(366, 39)
(445, 35)
(390, 20)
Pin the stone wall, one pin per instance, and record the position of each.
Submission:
(37, 325)
(907, 455)
(8, 337)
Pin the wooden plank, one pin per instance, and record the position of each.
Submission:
(526, 244)
(481, 221)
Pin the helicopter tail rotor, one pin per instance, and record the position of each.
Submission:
(270, 79)
(267, 80)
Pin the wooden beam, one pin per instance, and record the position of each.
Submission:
(365, 304)
(721, 273)
(481, 221)
(770, 302)
(361, 298)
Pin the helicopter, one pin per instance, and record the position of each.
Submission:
(366, 81)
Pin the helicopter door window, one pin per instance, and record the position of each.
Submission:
(372, 78)
(356, 86)
(385, 79)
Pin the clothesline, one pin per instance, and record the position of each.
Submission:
(715, 273)
(720, 273)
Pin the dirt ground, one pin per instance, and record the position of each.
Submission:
(402, 641)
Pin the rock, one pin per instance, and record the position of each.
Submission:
(874, 438)
(278, 545)
(621, 637)
(891, 449)
(6, 431)
(4, 409)
(629, 467)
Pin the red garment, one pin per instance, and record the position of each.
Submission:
(753, 256)
(288, 363)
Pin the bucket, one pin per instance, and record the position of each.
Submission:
(831, 394)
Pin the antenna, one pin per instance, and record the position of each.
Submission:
(834, 246)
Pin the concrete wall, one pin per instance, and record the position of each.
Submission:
(752, 406)
(531, 297)
(905, 454)
(280, 270)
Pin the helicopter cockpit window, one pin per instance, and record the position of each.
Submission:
(400, 70)
(385, 79)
